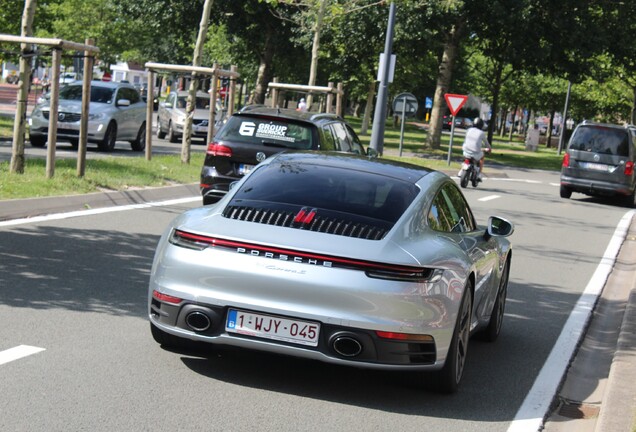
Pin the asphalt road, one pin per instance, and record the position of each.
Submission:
(77, 288)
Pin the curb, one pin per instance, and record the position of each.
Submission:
(618, 411)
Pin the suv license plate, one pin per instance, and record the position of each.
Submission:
(245, 169)
(594, 166)
(272, 327)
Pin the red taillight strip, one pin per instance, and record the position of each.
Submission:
(364, 265)
(404, 336)
(166, 298)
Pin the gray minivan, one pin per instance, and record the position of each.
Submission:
(600, 162)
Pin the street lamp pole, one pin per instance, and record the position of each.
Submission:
(379, 116)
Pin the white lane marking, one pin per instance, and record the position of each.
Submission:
(18, 352)
(514, 180)
(537, 402)
(489, 198)
(555, 184)
(58, 216)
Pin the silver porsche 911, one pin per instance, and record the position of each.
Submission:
(339, 258)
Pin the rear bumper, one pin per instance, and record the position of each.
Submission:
(596, 187)
(375, 352)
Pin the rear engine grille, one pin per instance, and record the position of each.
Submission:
(286, 218)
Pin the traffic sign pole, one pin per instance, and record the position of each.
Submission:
(450, 143)
(455, 102)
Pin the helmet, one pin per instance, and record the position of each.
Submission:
(478, 123)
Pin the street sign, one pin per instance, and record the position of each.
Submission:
(107, 76)
(405, 103)
(455, 102)
(429, 103)
(391, 68)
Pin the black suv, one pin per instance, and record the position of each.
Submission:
(256, 132)
(600, 161)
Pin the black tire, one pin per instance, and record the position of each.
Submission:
(565, 192)
(491, 333)
(463, 182)
(160, 134)
(139, 144)
(448, 378)
(628, 201)
(37, 140)
(172, 137)
(110, 138)
(474, 178)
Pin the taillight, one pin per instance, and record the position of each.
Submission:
(566, 160)
(166, 298)
(216, 149)
(404, 336)
(629, 168)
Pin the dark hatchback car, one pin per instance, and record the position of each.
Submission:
(600, 162)
(256, 133)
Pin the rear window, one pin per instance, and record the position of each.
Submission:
(267, 131)
(328, 188)
(602, 140)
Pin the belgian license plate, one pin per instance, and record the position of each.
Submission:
(245, 169)
(200, 129)
(594, 166)
(272, 327)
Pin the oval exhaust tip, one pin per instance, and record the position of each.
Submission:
(198, 321)
(347, 346)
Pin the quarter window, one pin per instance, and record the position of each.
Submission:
(450, 212)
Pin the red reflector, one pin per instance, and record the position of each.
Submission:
(166, 298)
(629, 168)
(566, 160)
(404, 336)
(216, 149)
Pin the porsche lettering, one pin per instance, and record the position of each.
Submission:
(284, 257)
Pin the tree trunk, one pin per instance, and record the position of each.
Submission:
(315, 48)
(19, 126)
(444, 78)
(495, 100)
(633, 116)
(513, 118)
(264, 69)
(367, 110)
(186, 139)
(548, 133)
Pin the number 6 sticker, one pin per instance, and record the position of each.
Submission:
(247, 128)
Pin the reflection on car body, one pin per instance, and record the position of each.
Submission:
(339, 258)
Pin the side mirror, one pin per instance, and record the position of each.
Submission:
(372, 153)
(499, 227)
(123, 102)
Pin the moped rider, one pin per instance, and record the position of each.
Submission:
(472, 146)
